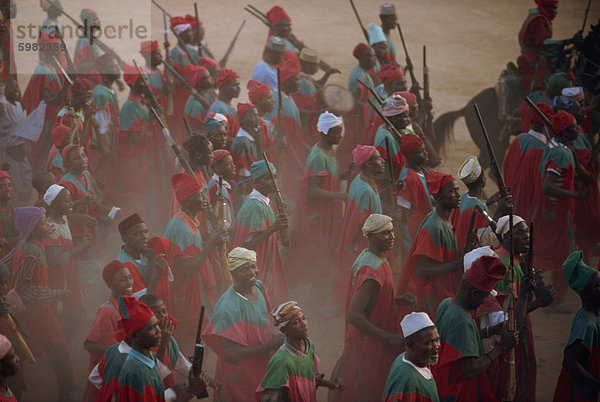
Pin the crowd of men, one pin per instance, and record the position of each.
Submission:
(279, 194)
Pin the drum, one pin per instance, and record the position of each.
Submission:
(336, 99)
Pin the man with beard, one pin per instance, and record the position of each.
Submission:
(410, 377)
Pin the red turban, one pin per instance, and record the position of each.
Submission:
(437, 180)
(128, 223)
(178, 21)
(542, 10)
(148, 46)
(409, 142)
(134, 314)
(359, 50)
(130, 74)
(277, 15)
(184, 186)
(362, 153)
(225, 75)
(104, 61)
(111, 269)
(289, 69)
(242, 109)
(485, 272)
(544, 108)
(81, 86)
(66, 151)
(193, 73)
(207, 62)
(219, 154)
(389, 73)
(4, 175)
(192, 20)
(408, 96)
(561, 121)
(257, 90)
(59, 133)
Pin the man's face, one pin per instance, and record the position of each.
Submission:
(201, 33)
(398, 85)
(266, 185)
(572, 132)
(309, 68)
(245, 276)
(297, 328)
(383, 240)
(419, 156)
(160, 310)
(137, 237)
(82, 100)
(150, 335)
(592, 289)
(388, 22)
(187, 35)
(266, 103)
(42, 229)
(292, 85)
(476, 299)
(198, 201)
(380, 49)
(334, 135)
(218, 138)
(10, 364)
(283, 29)
(155, 58)
(368, 58)
(207, 81)
(77, 159)
(578, 112)
(401, 120)
(12, 91)
(273, 57)
(425, 347)
(122, 283)
(63, 202)
(449, 195)
(233, 87)
(376, 163)
(225, 167)
(521, 238)
(6, 189)
(251, 119)
(552, 9)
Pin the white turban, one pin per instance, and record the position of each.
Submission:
(328, 120)
(376, 34)
(474, 255)
(377, 223)
(220, 117)
(52, 193)
(504, 225)
(181, 27)
(284, 313)
(414, 322)
(470, 170)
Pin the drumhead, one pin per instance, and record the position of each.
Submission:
(336, 99)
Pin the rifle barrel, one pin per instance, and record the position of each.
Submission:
(493, 161)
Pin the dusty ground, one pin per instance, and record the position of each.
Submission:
(468, 41)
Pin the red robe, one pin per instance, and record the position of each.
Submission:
(416, 192)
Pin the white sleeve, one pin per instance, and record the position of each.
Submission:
(182, 365)
(170, 395)
(95, 377)
(163, 369)
(103, 118)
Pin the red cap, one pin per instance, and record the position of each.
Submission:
(207, 62)
(128, 223)
(184, 186)
(66, 151)
(225, 75)
(257, 90)
(134, 314)
(362, 153)
(389, 72)
(177, 20)
(111, 269)
(288, 69)
(192, 20)
(242, 109)
(359, 50)
(193, 73)
(59, 133)
(408, 97)
(485, 272)
(81, 86)
(546, 109)
(409, 142)
(277, 15)
(130, 74)
(437, 180)
(561, 121)
(148, 46)
(4, 175)
(218, 155)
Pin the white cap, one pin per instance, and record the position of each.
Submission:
(470, 170)
(328, 120)
(504, 226)
(474, 255)
(220, 117)
(415, 322)
(376, 34)
(181, 27)
(52, 193)
(572, 92)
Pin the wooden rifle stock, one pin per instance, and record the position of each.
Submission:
(409, 65)
(511, 390)
(362, 27)
(221, 226)
(18, 336)
(198, 357)
(285, 234)
(428, 118)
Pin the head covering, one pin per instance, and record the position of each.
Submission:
(562, 103)
(194, 143)
(243, 108)
(561, 121)
(359, 50)
(193, 73)
(207, 62)
(377, 223)
(226, 75)
(546, 109)
(310, 56)
(184, 186)
(26, 218)
(134, 314)
(284, 313)
(577, 272)
(52, 193)
(437, 180)
(219, 117)
(394, 105)
(559, 80)
(575, 93)
(414, 322)
(328, 120)
(288, 69)
(376, 34)
(259, 168)
(5, 346)
(66, 151)
(211, 123)
(485, 272)
(276, 44)
(4, 175)
(81, 86)
(503, 226)
(387, 9)
(179, 24)
(542, 10)
(130, 74)
(409, 97)
(129, 222)
(240, 256)
(470, 170)
(111, 269)
(192, 20)
(257, 90)
(147, 47)
(277, 15)
(409, 142)
(362, 153)
(218, 155)
(475, 254)
(104, 61)
(87, 14)
(389, 72)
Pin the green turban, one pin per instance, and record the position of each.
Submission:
(259, 169)
(578, 273)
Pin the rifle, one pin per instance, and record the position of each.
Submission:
(161, 8)
(371, 90)
(62, 70)
(223, 61)
(221, 203)
(393, 130)
(538, 281)
(490, 221)
(20, 340)
(179, 40)
(168, 77)
(511, 391)
(470, 233)
(493, 161)
(428, 120)
(198, 357)
(409, 65)
(197, 28)
(362, 27)
(390, 166)
(187, 85)
(148, 92)
(188, 128)
(280, 133)
(285, 234)
(587, 11)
